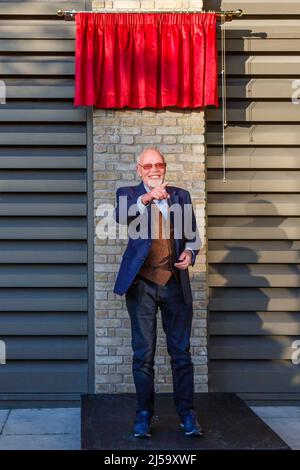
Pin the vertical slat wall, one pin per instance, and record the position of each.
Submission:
(43, 207)
(254, 217)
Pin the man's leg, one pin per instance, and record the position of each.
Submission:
(142, 308)
(177, 324)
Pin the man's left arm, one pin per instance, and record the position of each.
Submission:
(191, 233)
(190, 236)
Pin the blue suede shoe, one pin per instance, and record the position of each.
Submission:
(142, 424)
(190, 424)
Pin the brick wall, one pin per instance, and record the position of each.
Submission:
(119, 136)
(148, 4)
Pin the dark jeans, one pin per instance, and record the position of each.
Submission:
(143, 299)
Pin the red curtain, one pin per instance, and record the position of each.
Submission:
(146, 60)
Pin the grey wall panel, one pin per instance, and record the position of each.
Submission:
(41, 112)
(250, 251)
(261, 377)
(256, 45)
(254, 323)
(45, 348)
(261, 28)
(268, 181)
(33, 65)
(238, 64)
(254, 275)
(36, 45)
(43, 204)
(254, 204)
(44, 289)
(42, 181)
(255, 299)
(43, 299)
(255, 134)
(260, 7)
(46, 134)
(249, 111)
(36, 29)
(34, 88)
(265, 157)
(45, 324)
(42, 376)
(43, 251)
(253, 217)
(42, 157)
(252, 347)
(38, 228)
(41, 7)
(40, 275)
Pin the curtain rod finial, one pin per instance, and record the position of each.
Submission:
(60, 12)
(238, 12)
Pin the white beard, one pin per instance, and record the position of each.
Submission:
(154, 183)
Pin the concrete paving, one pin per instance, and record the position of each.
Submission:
(3, 417)
(40, 429)
(40, 442)
(284, 420)
(59, 428)
(43, 421)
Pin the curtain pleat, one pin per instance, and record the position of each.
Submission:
(146, 60)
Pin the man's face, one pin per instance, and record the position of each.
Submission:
(155, 176)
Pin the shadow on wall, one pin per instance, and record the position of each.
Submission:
(254, 299)
(251, 336)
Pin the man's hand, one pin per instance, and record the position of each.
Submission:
(185, 260)
(156, 193)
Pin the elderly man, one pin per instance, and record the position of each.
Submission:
(154, 273)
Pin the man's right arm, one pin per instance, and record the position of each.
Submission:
(125, 201)
(144, 201)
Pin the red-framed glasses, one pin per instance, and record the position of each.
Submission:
(158, 166)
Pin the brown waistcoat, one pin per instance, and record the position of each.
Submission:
(159, 264)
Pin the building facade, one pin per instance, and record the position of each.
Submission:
(65, 332)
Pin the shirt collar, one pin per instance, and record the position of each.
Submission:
(147, 188)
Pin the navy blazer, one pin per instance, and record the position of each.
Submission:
(138, 249)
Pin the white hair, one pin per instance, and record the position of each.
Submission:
(146, 150)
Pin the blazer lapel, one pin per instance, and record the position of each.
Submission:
(140, 189)
(174, 199)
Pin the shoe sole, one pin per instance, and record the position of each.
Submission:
(192, 433)
(142, 436)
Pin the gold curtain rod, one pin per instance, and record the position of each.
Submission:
(229, 15)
